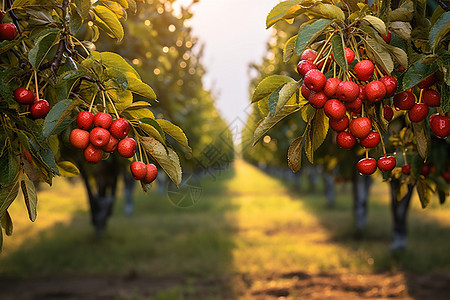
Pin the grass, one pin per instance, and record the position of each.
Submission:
(246, 223)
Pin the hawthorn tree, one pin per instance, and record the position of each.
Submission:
(372, 72)
(52, 80)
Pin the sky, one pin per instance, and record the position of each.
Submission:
(234, 35)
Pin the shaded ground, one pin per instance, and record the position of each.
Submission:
(249, 237)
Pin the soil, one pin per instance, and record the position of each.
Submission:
(295, 285)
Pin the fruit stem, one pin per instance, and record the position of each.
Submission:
(355, 46)
(92, 103)
(112, 104)
(29, 81)
(363, 111)
(381, 138)
(104, 101)
(420, 95)
(323, 48)
(36, 84)
(367, 153)
(81, 44)
(379, 71)
(334, 69)
(404, 157)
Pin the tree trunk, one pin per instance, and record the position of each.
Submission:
(399, 215)
(361, 187)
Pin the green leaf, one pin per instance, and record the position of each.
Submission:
(114, 60)
(9, 167)
(115, 8)
(138, 87)
(167, 159)
(309, 33)
(380, 55)
(423, 139)
(278, 11)
(376, 23)
(424, 192)
(440, 30)
(416, 73)
(286, 94)
(146, 123)
(118, 78)
(108, 22)
(136, 106)
(289, 49)
(445, 98)
(7, 224)
(273, 99)
(83, 8)
(319, 129)
(7, 45)
(34, 4)
(42, 47)
(295, 154)
(339, 52)
(326, 11)
(175, 132)
(67, 169)
(30, 197)
(268, 122)
(268, 85)
(7, 195)
(57, 115)
(123, 3)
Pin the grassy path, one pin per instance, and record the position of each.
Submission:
(249, 237)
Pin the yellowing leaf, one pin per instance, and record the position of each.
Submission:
(175, 132)
(108, 22)
(67, 169)
(114, 60)
(138, 87)
(376, 23)
(268, 85)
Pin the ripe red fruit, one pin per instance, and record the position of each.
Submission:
(152, 172)
(425, 170)
(427, 82)
(431, 97)
(367, 166)
(309, 54)
(375, 91)
(386, 163)
(418, 112)
(446, 176)
(23, 96)
(127, 147)
(112, 145)
(8, 31)
(345, 140)
(331, 86)
(317, 100)
(406, 169)
(349, 55)
(305, 91)
(92, 155)
(405, 100)
(388, 112)
(119, 128)
(347, 91)
(334, 109)
(390, 83)
(339, 125)
(79, 138)
(304, 66)
(387, 37)
(138, 169)
(440, 125)
(103, 120)
(360, 127)
(364, 70)
(85, 120)
(354, 106)
(371, 140)
(315, 80)
(40, 109)
(99, 137)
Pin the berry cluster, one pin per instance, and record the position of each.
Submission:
(38, 108)
(107, 135)
(8, 31)
(343, 98)
(143, 172)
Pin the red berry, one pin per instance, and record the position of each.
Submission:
(99, 137)
(425, 170)
(345, 140)
(315, 80)
(405, 100)
(8, 31)
(138, 169)
(309, 54)
(364, 70)
(103, 120)
(446, 176)
(390, 83)
(85, 120)
(386, 164)
(305, 91)
(112, 145)
(23, 96)
(406, 169)
(375, 91)
(40, 109)
(431, 97)
(317, 100)
(354, 106)
(152, 172)
(360, 127)
(79, 138)
(440, 125)
(331, 86)
(349, 55)
(388, 112)
(387, 37)
(92, 155)
(427, 82)
(418, 112)
(371, 140)
(304, 66)
(334, 109)
(119, 128)
(339, 125)
(367, 166)
(347, 91)
(127, 147)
